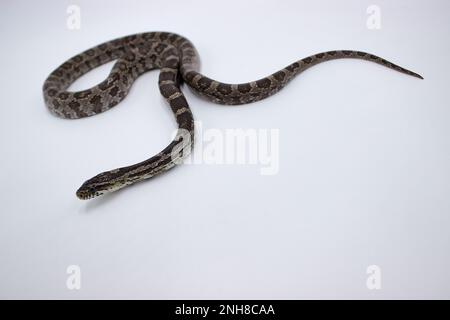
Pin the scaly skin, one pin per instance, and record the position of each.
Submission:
(177, 59)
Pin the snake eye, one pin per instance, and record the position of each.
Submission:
(91, 190)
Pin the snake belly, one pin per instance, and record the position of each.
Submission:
(177, 60)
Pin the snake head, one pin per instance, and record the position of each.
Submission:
(94, 187)
(102, 183)
(88, 191)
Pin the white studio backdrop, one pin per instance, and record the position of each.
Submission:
(358, 206)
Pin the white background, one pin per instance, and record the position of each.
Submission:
(364, 157)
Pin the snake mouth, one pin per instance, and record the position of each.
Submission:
(84, 193)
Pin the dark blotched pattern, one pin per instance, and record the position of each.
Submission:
(177, 59)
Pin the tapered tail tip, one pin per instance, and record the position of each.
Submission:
(415, 75)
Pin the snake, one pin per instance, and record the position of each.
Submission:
(178, 61)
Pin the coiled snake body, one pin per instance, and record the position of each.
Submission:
(177, 60)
